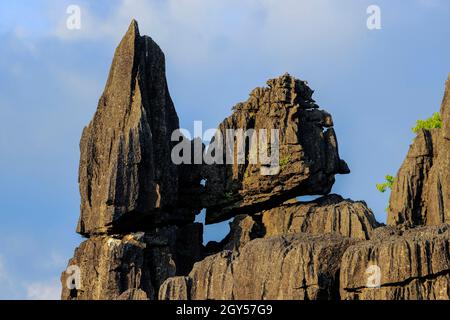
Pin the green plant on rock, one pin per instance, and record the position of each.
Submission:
(284, 161)
(433, 122)
(382, 187)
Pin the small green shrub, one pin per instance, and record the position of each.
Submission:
(432, 122)
(382, 187)
(284, 161)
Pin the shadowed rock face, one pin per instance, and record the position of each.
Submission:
(126, 172)
(298, 266)
(414, 264)
(421, 191)
(308, 152)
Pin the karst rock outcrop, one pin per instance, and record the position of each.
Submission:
(307, 153)
(126, 173)
(297, 266)
(421, 190)
(139, 226)
(412, 264)
(138, 205)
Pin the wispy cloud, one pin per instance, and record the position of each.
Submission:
(44, 290)
(204, 29)
(7, 288)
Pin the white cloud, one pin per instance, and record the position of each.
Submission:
(196, 32)
(12, 288)
(8, 290)
(49, 290)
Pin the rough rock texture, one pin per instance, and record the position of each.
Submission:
(133, 294)
(126, 267)
(414, 264)
(421, 191)
(126, 172)
(297, 266)
(134, 199)
(328, 214)
(308, 152)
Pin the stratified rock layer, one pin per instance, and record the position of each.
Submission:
(297, 266)
(132, 266)
(126, 172)
(414, 264)
(421, 191)
(328, 214)
(308, 152)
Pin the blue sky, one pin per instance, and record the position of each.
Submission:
(376, 84)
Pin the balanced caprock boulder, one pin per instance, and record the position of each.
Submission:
(305, 160)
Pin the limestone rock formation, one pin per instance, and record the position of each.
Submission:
(134, 208)
(126, 173)
(327, 214)
(421, 191)
(297, 266)
(414, 264)
(308, 156)
(132, 266)
(138, 206)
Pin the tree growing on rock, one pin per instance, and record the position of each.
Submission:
(433, 122)
(382, 187)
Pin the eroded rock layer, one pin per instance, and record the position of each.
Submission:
(297, 266)
(328, 214)
(131, 266)
(414, 264)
